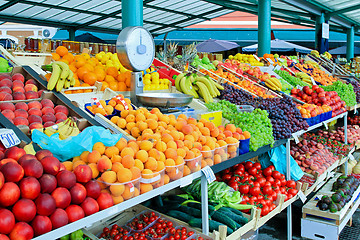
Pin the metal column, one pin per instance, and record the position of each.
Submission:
(350, 43)
(321, 44)
(264, 27)
(131, 13)
(71, 34)
(288, 177)
(204, 205)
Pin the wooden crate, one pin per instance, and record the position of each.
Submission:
(260, 221)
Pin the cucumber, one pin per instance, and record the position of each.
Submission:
(176, 198)
(158, 201)
(180, 215)
(213, 225)
(239, 219)
(195, 222)
(198, 206)
(189, 210)
(237, 212)
(225, 219)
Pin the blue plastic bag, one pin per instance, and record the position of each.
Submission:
(74, 146)
(277, 156)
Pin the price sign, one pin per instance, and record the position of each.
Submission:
(296, 138)
(256, 57)
(325, 125)
(351, 156)
(209, 174)
(270, 61)
(8, 138)
(302, 196)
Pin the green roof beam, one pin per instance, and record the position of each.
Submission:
(345, 10)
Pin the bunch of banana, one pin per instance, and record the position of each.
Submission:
(304, 77)
(197, 85)
(273, 83)
(61, 77)
(315, 53)
(326, 55)
(312, 63)
(67, 128)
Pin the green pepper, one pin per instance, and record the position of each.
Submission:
(66, 237)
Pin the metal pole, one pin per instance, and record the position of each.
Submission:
(318, 31)
(131, 13)
(345, 140)
(264, 27)
(204, 205)
(288, 177)
(350, 43)
(71, 34)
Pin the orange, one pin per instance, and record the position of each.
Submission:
(112, 71)
(81, 72)
(109, 78)
(73, 68)
(90, 78)
(69, 57)
(113, 86)
(79, 61)
(100, 74)
(62, 51)
(55, 56)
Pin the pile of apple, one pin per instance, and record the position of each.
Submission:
(312, 157)
(316, 95)
(35, 114)
(15, 88)
(38, 194)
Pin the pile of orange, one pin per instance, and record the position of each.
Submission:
(108, 108)
(318, 74)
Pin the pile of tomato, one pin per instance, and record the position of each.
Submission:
(180, 233)
(160, 228)
(141, 222)
(259, 187)
(115, 233)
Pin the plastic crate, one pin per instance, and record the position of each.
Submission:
(115, 113)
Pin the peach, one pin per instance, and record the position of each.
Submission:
(21, 121)
(104, 164)
(5, 89)
(18, 83)
(35, 125)
(21, 113)
(48, 124)
(18, 77)
(19, 96)
(18, 89)
(40, 93)
(34, 118)
(4, 76)
(21, 105)
(47, 103)
(31, 81)
(5, 96)
(187, 129)
(6, 82)
(8, 106)
(62, 109)
(30, 87)
(60, 116)
(48, 110)
(35, 111)
(8, 114)
(49, 118)
(31, 95)
(35, 104)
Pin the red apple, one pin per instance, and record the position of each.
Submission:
(41, 225)
(7, 221)
(66, 179)
(90, 206)
(30, 188)
(51, 165)
(78, 193)
(13, 172)
(83, 173)
(24, 210)
(74, 213)
(59, 218)
(33, 167)
(14, 153)
(9, 193)
(43, 153)
(45, 204)
(93, 189)
(62, 197)
(22, 231)
(105, 200)
(48, 183)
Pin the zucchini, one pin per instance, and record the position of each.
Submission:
(213, 225)
(189, 210)
(225, 219)
(180, 215)
(239, 219)
(198, 206)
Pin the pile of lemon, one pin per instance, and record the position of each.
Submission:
(110, 60)
(152, 81)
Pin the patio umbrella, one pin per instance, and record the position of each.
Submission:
(280, 46)
(342, 50)
(213, 45)
(88, 37)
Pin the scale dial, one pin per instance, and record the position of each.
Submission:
(135, 48)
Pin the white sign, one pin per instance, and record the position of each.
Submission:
(8, 138)
(209, 174)
(296, 138)
(270, 60)
(302, 196)
(256, 57)
(325, 30)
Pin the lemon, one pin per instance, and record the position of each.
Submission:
(146, 87)
(152, 87)
(147, 81)
(114, 58)
(157, 87)
(155, 75)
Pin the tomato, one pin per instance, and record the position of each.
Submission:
(267, 183)
(260, 197)
(234, 185)
(267, 172)
(261, 181)
(282, 190)
(264, 210)
(291, 184)
(267, 190)
(238, 172)
(240, 168)
(270, 179)
(248, 165)
(226, 177)
(256, 184)
(273, 206)
(292, 191)
(246, 198)
(253, 198)
(257, 165)
(227, 170)
(235, 179)
(277, 183)
(252, 171)
(268, 202)
(251, 202)
(276, 174)
(283, 182)
(272, 167)
(244, 189)
(255, 191)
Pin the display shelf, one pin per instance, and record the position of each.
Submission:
(5, 123)
(353, 108)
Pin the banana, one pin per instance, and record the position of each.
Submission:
(270, 85)
(29, 149)
(204, 91)
(177, 81)
(63, 134)
(72, 79)
(208, 84)
(191, 80)
(65, 70)
(67, 83)
(218, 86)
(186, 87)
(75, 130)
(54, 77)
(60, 84)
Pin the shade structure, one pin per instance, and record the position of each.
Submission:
(342, 50)
(280, 46)
(88, 37)
(213, 45)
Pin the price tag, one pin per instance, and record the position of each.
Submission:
(270, 61)
(325, 125)
(277, 67)
(351, 156)
(256, 57)
(8, 138)
(318, 197)
(296, 138)
(302, 196)
(355, 109)
(312, 80)
(184, 181)
(209, 174)
(122, 101)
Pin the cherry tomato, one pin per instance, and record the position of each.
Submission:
(291, 184)
(292, 191)
(170, 224)
(117, 237)
(270, 179)
(267, 172)
(264, 210)
(234, 185)
(246, 198)
(177, 236)
(283, 182)
(260, 197)
(252, 171)
(253, 198)
(277, 183)
(267, 190)
(257, 165)
(226, 177)
(282, 190)
(239, 172)
(184, 237)
(272, 167)
(268, 202)
(276, 174)
(256, 184)
(261, 181)
(244, 189)
(267, 183)
(248, 165)
(240, 168)
(255, 191)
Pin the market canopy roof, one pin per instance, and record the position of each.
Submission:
(161, 16)
(342, 50)
(213, 45)
(280, 46)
